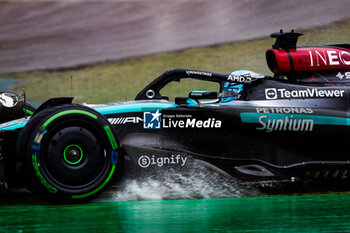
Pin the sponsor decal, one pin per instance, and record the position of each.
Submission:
(239, 79)
(290, 122)
(329, 57)
(192, 123)
(286, 110)
(340, 75)
(155, 120)
(189, 72)
(273, 93)
(152, 120)
(188, 121)
(313, 78)
(145, 161)
(125, 120)
(177, 115)
(269, 123)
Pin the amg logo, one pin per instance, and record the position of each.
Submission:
(285, 124)
(124, 120)
(273, 93)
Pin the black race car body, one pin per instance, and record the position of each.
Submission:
(290, 126)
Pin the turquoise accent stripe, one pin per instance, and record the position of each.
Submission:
(249, 117)
(137, 107)
(200, 91)
(113, 109)
(13, 125)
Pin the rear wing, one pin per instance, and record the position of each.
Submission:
(329, 63)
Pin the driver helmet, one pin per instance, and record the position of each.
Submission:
(248, 74)
(231, 91)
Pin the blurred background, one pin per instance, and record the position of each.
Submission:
(112, 49)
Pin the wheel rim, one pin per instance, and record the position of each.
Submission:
(73, 154)
(74, 157)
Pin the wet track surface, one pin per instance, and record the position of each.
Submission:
(205, 202)
(50, 35)
(309, 213)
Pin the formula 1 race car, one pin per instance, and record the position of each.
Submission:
(292, 126)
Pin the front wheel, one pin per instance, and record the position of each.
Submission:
(67, 153)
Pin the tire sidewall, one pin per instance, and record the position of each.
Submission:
(33, 143)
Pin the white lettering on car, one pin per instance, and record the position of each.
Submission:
(288, 123)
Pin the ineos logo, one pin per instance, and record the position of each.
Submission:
(271, 93)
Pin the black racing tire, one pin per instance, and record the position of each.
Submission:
(68, 153)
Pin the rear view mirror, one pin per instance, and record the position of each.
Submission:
(181, 100)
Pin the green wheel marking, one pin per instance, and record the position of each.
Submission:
(40, 176)
(28, 111)
(98, 189)
(65, 157)
(111, 137)
(65, 113)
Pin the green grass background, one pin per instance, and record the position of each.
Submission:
(122, 80)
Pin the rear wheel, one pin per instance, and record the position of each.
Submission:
(67, 153)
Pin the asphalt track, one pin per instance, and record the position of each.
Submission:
(65, 34)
